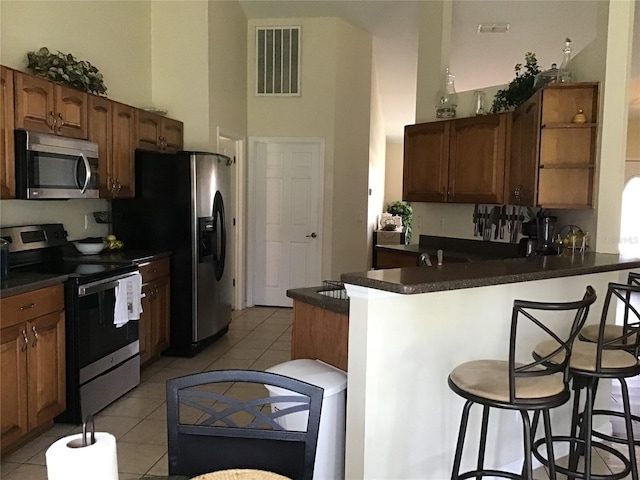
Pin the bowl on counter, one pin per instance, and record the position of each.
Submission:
(89, 248)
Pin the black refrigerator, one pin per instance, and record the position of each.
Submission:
(179, 206)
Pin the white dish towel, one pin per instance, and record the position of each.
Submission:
(128, 296)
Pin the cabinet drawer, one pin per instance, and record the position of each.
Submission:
(33, 304)
(155, 269)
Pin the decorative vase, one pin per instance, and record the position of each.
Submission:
(449, 99)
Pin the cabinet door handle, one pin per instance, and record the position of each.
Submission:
(52, 116)
(27, 307)
(35, 335)
(61, 121)
(517, 192)
(443, 193)
(451, 193)
(26, 341)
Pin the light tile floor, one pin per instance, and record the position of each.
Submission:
(258, 338)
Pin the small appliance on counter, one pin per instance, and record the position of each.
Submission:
(529, 241)
(538, 236)
(546, 227)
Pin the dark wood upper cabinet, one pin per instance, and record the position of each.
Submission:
(43, 106)
(7, 151)
(157, 133)
(460, 161)
(552, 158)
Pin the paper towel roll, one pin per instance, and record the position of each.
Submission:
(68, 460)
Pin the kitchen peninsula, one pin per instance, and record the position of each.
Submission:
(409, 327)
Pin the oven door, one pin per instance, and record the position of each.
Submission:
(102, 344)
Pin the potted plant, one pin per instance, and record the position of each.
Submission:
(520, 88)
(64, 68)
(405, 212)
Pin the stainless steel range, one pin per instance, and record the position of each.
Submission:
(102, 359)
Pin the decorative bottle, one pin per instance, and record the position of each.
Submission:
(449, 99)
(564, 74)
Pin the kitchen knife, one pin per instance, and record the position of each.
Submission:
(503, 220)
(475, 220)
(512, 224)
(495, 221)
(487, 224)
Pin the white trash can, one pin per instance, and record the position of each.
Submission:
(329, 463)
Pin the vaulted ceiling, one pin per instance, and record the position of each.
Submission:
(477, 60)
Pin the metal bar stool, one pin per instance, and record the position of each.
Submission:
(608, 358)
(508, 384)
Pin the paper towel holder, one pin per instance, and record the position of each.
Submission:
(79, 443)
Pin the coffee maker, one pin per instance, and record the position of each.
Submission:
(538, 236)
(545, 229)
(529, 242)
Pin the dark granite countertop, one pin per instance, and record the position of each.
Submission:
(471, 250)
(455, 276)
(22, 282)
(122, 256)
(312, 297)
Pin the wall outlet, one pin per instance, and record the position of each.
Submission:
(86, 222)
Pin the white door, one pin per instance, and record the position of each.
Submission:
(232, 147)
(287, 215)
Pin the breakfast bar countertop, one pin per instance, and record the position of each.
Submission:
(455, 276)
(311, 296)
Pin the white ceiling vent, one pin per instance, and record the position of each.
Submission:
(493, 27)
(278, 61)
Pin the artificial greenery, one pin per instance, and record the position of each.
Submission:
(405, 211)
(65, 68)
(520, 88)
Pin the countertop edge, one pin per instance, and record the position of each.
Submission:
(311, 296)
(415, 280)
(31, 286)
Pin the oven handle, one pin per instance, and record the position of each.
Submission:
(101, 286)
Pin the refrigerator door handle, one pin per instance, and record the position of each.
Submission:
(220, 236)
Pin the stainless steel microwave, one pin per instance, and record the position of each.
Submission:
(50, 167)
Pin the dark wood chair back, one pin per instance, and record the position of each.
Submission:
(226, 419)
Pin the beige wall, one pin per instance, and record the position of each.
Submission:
(113, 36)
(330, 108)
(377, 160)
(393, 172)
(180, 66)
(227, 68)
(161, 53)
(354, 129)
(86, 30)
(633, 138)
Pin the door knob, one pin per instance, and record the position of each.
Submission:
(313, 235)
